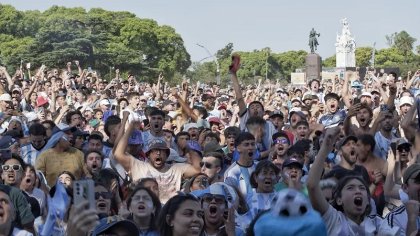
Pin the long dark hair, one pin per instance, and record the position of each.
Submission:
(156, 204)
(169, 209)
(339, 188)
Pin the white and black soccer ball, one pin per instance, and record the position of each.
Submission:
(290, 203)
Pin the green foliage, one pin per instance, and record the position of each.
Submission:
(225, 52)
(98, 38)
(330, 61)
(363, 56)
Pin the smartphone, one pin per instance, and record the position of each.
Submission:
(84, 190)
(384, 107)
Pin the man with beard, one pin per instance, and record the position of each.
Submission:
(93, 162)
(291, 174)
(58, 155)
(385, 135)
(281, 144)
(9, 215)
(168, 176)
(376, 167)
(366, 98)
(212, 165)
(37, 137)
(363, 114)
(239, 173)
(347, 166)
(217, 202)
(334, 116)
(255, 108)
(157, 120)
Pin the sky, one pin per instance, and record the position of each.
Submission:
(250, 24)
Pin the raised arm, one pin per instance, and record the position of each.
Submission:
(345, 93)
(234, 67)
(185, 107)
(316, 196)
(120, 155)
(390, 189)
(407, 120)
(347, 122)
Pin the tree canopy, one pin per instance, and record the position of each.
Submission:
(97, 38)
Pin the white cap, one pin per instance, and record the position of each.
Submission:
(296, 99)
(104, 102)
(406, 100)
(366, 94)
(5, 97)
(189, 126)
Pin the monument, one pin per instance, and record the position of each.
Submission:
(345, 47)
(313, 61)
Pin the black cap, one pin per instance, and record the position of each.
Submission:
(345, 140)
(292, 161)
(276, 113)
(332, 95)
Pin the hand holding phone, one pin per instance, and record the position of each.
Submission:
(84, 190)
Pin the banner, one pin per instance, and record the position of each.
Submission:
(298, 78)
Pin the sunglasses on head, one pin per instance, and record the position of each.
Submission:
(219, 199)
(105, 195)
(281, 140)
(14, 167)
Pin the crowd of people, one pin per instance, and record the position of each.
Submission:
(333, 157)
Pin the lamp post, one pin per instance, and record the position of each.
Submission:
(215, 60)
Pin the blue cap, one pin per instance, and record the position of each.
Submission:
(113, 222)
(195, 146)
(6, 142)
(219, 188)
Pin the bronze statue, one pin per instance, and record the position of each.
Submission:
(313, 41)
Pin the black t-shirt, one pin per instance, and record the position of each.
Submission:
(340, 172)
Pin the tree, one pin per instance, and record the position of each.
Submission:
(390, 39)
(363, 56)
(404, 42)
(225, 52)
(330, 61)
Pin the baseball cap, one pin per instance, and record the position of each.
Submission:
(5, 97)
(406, 100)
(212, 146)
(41, 101)
(296, 110)
(175, 157)
(296, 100)
(333, 96)
(292, 161)
(6, 142)
(345, 140)
(276, 113)
(189, 126)
(214, 120)
(195, 146)
(366, 94)
(157, 144)
(221, 189)
(307, 97)
(412, 171)
(104, 102)
(113, 222)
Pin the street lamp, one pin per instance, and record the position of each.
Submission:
(215, 60)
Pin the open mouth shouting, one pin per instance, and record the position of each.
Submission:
(159, 162)
(101, 206)
(213, 210)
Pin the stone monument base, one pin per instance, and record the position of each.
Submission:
(313, 64)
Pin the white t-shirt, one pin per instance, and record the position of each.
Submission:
(20, 232)
(169, 182)
(239, 177)
(338, 224)
(398, 219)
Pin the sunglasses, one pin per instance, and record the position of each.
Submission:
(281, 141)
(400, 149)
(14, 167)
(207, 165)
(219, 199)
(105, 195)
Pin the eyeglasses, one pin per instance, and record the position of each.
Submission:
(14, 167)
(207, 165)
(281, 141)
(219, 199)
(105, 195)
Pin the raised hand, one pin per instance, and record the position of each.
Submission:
(236, 61)
(77, 63)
